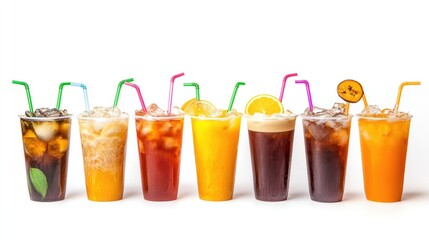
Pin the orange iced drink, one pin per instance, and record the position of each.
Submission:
(384, 142)
(215, 135)
(103, 135)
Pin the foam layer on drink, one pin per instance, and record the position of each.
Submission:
(272, 123)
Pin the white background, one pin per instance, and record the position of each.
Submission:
(99, 43)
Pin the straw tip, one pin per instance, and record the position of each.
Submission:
(301, 81)
(178, 75)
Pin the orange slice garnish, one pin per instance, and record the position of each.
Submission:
(196, 107)
(264, 103)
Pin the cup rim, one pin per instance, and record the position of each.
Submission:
(45, 119)
(217, 118)
(361, 116)
(342, 117)
(150, 117)
(269, 117)
(106, 119)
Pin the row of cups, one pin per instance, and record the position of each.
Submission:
(383, 145)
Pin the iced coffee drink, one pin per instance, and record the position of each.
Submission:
(46, 137)
(326, 137)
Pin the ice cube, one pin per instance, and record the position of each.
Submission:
(46, 130)
(140, 113)
(141, 146)
(319, 132)
(33, 147)
(113, 129)
(170, 143)
(176, 111)
(165, 128)
(95, 127)
(155, 111)
(387, 112)
(176, 127)
(102, 112)
(58, 147)
(365, 135)
(65, 128)
(114, 112)
(338, 109)
(341, 137)
(30, 114)
(146, 129)
(372, 110)
(217, 113)
(334, 124)
(50, 112)
(385, 130)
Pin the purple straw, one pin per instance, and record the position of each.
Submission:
(138, 93)
(284, 84)
(170, 97)
(307, 86)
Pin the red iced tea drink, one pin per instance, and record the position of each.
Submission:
(159, 137)
(326, 137)
(45, 137)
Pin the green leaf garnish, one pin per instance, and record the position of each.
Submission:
(38, 179)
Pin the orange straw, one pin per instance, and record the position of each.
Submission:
(398, 98)
(365, 103)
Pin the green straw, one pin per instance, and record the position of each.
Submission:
(85, 93)
(197, 88)
(118, 90)
(27, 90)
(231, 102)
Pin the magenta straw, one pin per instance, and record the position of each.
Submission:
(284, 84)
(307, 86)
(138, 93)
(170, 97)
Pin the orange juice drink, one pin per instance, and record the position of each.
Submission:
(103, 136)
(215, 147)
(384, 142)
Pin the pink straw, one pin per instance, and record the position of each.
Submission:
(307, 86)
(284, 84)
(138, 93)
(170, 98)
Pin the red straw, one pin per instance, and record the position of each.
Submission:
(307, 86)
(138, 93)
(170, 98)
(284, 84)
